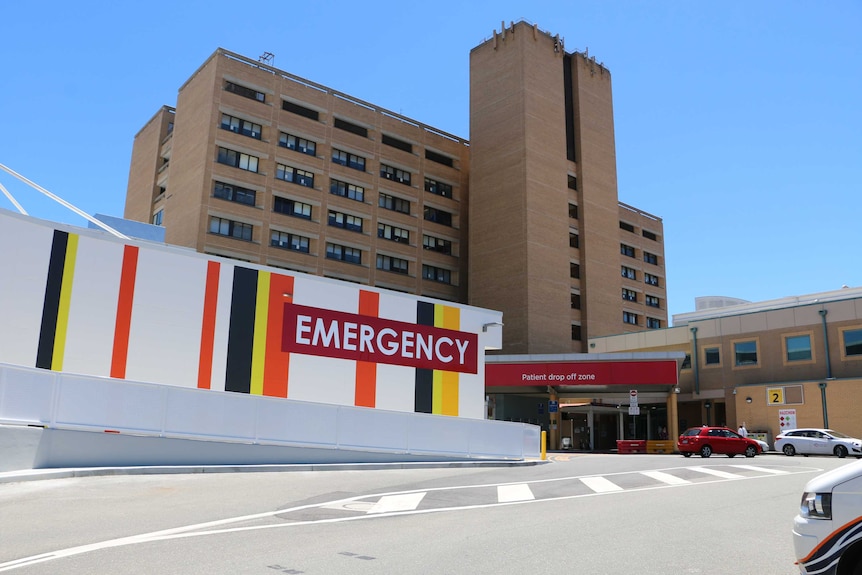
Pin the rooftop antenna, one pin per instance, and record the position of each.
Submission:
(266, 58)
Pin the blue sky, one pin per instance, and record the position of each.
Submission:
(738, 123)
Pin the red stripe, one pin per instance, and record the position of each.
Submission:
(205, 363)
(123, 326)
(277, 362)
(366, 372)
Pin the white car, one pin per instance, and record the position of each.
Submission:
(827, 533)
(811, 441)
(764, 447)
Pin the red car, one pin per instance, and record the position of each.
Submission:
(709, 440)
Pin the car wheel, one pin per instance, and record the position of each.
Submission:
(789, 450)
(705, 451)
(731, 455)
(840, 451)
(750, 451)
(686, 454)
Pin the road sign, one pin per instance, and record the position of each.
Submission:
(634, 410)
(633, 397)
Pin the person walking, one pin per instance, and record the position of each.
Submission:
(742, 431)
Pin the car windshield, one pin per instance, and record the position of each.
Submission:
(836, 434)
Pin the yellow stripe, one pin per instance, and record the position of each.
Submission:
(446, 383)
(65, 303)
(258, 353)
(437, 392)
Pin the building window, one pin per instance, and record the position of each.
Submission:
(573, 211)
(627, 227)
(346, 221)
(649, 235)
(745, 353)
(572, 182)
(395, 204)
(576, 300)
(628, 272)
(297, 144)
(574, 240)
(240, 126)
(576, 332)
(798, 347)
(650, 258)
(653, 323)
(238, 160)
(436, 274)
(224, 227)
(652, 301)
(438, 188)
(291, 208)
(300, 110)
(712, 356)
(627, 250)
(234, 193)
(686, 362)
(158, 217)
(245, 92)
(630, 318)
(394, 174)
(295, 175)
(438, 216)
(574, 270)
(345, 190)
(852, 342)
(392, 264)
(347, 159)
(630, 295)
(396, 143)
(350, 127)
(651, 279)
(439, 158)
(437, 244)
(289, 242)
(393, 233)
(343, 253)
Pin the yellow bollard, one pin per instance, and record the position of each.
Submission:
(544, 450)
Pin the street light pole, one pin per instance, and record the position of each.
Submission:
(823, 401)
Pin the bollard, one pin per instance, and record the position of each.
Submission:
(544, 450)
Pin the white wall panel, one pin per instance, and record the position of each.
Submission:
(305, 423)
(26, 394)
(314, 292)
(83, 401)
(396, 387)
(382, 429)
(396, 307)
(322, 379)
(225, 291)
(205, 413)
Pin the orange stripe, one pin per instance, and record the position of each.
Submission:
(205, 364)
(123, 325)
(277, 362)
(366, 372)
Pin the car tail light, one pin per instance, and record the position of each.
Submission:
(816, 506)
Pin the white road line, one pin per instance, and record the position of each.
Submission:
(600, 484)
(506, 493)
(665, 477)
(716, 472)
(405, 502)
(763, 469)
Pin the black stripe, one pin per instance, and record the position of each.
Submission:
(51, 306)
(423, 401)
(568, 90)
(240, 339)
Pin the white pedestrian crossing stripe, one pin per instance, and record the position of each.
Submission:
(716, 472)
(520, 492)
(404, 502)
(764, 469)
(600, 484)
(665, 477)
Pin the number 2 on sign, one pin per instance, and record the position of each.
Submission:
(775, 395)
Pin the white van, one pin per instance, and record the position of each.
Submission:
(827, 533)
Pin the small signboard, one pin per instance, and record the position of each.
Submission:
(775, 395)
(553, 406)
(634, 410)
(633, 397)
(786, 419)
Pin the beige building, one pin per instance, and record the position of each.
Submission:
(260, 165)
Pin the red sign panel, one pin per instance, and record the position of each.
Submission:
(328, 333)
(660, 372)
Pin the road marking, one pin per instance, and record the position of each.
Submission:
(405, 502)
(506, 493)
(665, 477)
(763, 469)
(600, 484)
(716, 472)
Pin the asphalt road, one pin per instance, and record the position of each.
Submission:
(591, 514)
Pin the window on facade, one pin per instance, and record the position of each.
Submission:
(346, 221)
(291, 207)
(394, 174)
(576, 300)
(630, 295)
(438, 188)
(574, 270)
(158, 217)
(852, 342)
(650, 258)
(651, 279)
(649, 235)
(572, 182)
(288, 241)
(343, 253)
(350, 127)
(712, 356)
(234, 193)
(396, 143)
(439, 158)
(652, 301)
(576, 332)
(345, 190)
(745, 353)
(295, 175)
(388, 202)
(437, 244)
(574, 240)
(392, 264)
(627, 227)
(686, 362)
(438, 216)
(630, 318)
(436, 274)
(244, 92)
(300, 110)
(240, 126)
(393, 233)
(628, 272)
(225, 227)
(573, 211)
(798, 347)
(627, 250)
(297, 144)
(653, 323)
(348, 159)
(238, 159)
